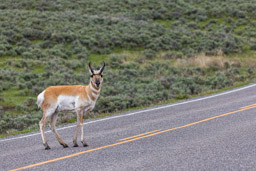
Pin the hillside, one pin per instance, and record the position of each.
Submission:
(156, 51)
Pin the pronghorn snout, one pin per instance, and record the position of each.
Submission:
(97, 82)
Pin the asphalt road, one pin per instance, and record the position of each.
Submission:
(215, 132)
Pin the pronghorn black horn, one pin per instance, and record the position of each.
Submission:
(102, 68)
(90, 67)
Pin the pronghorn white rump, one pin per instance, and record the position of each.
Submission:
(40, 99)
(76, 98)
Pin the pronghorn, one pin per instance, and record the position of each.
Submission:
(76, 98)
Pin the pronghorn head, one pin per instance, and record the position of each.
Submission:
(96, 75)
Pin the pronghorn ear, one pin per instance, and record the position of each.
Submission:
(102, 68)
(90, 68)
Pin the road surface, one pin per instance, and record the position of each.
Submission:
(215, 132)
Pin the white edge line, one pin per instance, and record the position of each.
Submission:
(147, 110)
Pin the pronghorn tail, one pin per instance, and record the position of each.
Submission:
(40, 99)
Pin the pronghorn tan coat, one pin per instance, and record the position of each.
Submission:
(76, 98)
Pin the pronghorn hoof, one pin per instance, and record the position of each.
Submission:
(75, 145)
(85, 145)
(47, 147)
(64, 145)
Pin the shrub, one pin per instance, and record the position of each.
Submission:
(149, 54)
(27, 55)
(83, 56)
(226, 65)
(115, 61)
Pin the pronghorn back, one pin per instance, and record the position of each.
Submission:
(64, 98)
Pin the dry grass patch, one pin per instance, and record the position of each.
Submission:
(203, 61)
(129, 55)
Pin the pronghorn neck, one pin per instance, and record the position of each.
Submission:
(93, 92)
(94, 88)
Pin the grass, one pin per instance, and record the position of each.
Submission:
(19, 132)
(202, 61)
(166, 23)
(130, 55)
(217, 20)
(39, 68)
(4, 58)
(97, 58)
(250, 54)
(12, 98)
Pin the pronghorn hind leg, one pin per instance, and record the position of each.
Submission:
(82, 130)
(42, 125)
(53, 127)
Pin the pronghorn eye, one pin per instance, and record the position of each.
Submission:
(91, 76)
(101, 75)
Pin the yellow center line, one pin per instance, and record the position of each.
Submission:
(248, 106)
(194, 123)
(141, 137)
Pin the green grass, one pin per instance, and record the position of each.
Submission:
(4, 58)
(18, 132)
(247, 54)
(36, 42)
(218, 21)
(80, 70)
(98, 58)
(39, 69)
(12, 98)
(166, 23)
(226, 89)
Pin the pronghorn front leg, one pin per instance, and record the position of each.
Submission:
(79, 124)
(82, 130)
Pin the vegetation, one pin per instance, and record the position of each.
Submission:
(155, 50)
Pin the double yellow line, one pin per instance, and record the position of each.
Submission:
(137, 137)
(248, 107)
